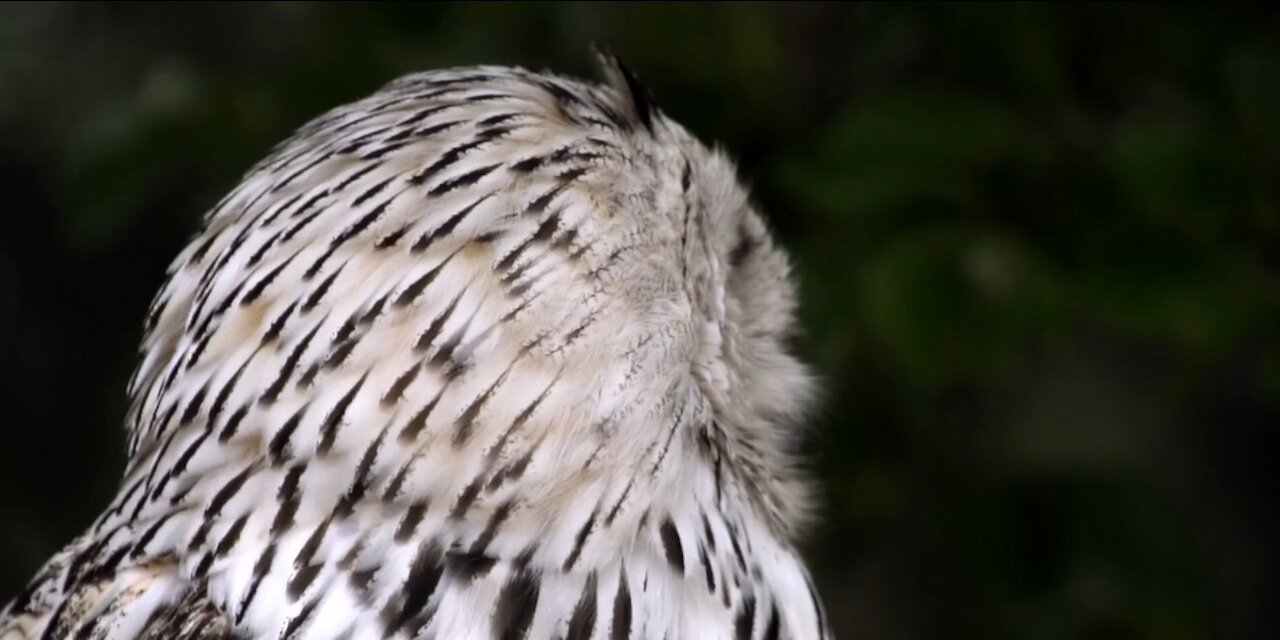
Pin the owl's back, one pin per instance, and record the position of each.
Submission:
(439, 367)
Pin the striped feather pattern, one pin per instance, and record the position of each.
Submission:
(489, 354)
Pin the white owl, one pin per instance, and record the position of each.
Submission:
(488, 354)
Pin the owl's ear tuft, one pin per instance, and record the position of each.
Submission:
(636, 102)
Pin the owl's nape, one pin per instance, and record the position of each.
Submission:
(489, 353)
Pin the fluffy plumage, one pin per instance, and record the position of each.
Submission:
(489, 354)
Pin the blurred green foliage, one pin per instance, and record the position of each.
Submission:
(1039, 249)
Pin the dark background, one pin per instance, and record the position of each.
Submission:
(1039, 248)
